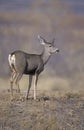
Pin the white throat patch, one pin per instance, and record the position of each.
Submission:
(43, 43)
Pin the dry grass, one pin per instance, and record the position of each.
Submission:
(47, 113)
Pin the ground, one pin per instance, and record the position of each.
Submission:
(49, 112)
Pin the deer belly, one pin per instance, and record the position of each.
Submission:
(31, 72)
(30, 69)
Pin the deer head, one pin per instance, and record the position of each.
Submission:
(49, 46)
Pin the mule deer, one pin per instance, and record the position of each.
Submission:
(31, 64)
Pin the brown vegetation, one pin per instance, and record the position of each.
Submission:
(49, 112)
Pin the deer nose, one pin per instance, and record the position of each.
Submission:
(57, 50)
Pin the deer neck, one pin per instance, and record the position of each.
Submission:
(45, 56)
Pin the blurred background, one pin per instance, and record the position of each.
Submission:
(20, 23)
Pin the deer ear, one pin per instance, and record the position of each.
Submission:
(42, 41)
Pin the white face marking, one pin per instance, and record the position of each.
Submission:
(11, 59)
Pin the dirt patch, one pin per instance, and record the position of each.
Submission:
(47, 113)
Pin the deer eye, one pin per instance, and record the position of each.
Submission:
(50, 46)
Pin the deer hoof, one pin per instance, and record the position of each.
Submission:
(22, 99)
(11, 99)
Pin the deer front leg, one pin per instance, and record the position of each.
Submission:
(35, 85)
(30, 81)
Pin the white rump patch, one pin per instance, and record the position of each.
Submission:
(11, 59)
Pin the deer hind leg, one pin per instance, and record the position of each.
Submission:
(17, 79)
(30, 81)
(13, 76)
